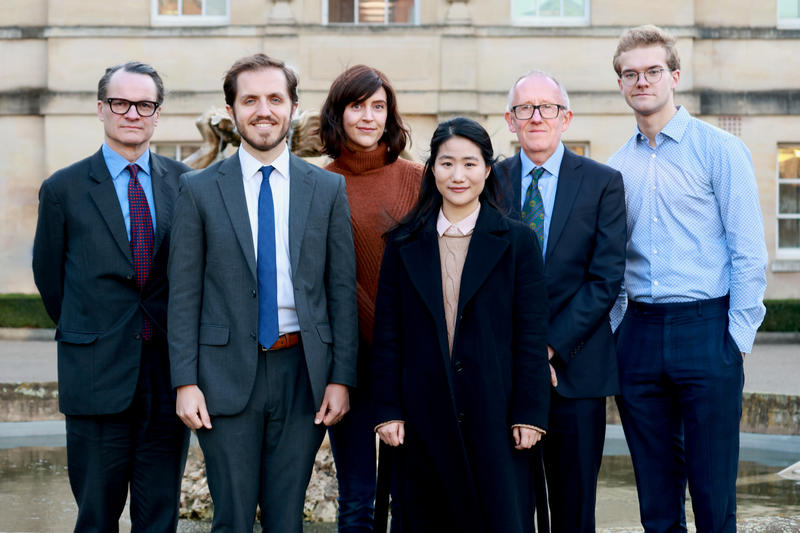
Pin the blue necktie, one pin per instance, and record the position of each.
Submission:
(267, 269)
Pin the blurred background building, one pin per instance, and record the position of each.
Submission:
(740, 72)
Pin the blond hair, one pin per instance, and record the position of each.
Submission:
(644, 36)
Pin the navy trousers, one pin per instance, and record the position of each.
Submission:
(143, 447)
(573, 452)
(681, 380)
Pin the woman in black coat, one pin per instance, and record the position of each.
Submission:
(460, 378)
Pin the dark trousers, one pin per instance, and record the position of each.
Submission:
(681, 383)
(264, 455)
(573, 452)
(353, 447)
(143, 447)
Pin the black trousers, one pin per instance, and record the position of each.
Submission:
(143, 448)
(264, 455)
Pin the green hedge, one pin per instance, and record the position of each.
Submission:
(23, 311)
(27, 311)
(782, 315)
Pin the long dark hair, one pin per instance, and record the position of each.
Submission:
(356, 84)
(430, 199)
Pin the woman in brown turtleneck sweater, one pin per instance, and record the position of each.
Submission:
(361, 129)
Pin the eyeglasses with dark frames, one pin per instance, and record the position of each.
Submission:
(526, 111)
(120, 106)
(651, 75)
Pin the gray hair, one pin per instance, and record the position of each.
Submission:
(541, 74)
(135, 67)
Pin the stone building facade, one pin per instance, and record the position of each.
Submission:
(445, 57)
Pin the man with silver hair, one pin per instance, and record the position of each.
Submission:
(576, 206)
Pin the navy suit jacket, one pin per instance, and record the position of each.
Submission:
(83, 268)
(584, 268)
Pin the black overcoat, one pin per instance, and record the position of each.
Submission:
(458, 467)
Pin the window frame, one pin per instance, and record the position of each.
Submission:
(414, 16)
(786, 23)
(178, 146)
(785, 252)
(585, 20)
(156, 19)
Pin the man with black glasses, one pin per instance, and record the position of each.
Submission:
(695, 280)
(99, 261)
(576, 206)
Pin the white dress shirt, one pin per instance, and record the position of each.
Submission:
(280, 183)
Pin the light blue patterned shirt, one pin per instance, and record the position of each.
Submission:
(548, 183)
(118, 168)
(695, 229)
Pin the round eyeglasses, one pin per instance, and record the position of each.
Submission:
(651, 75)
(120, 106)
(526, 111)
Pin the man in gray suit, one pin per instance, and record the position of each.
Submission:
(100, 263)
(262, 307)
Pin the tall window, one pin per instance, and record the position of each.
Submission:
(370, 11)
(190, 12)
(789, 13)
(550, 12)
(789, 199)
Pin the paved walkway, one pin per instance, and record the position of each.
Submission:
(771, 368)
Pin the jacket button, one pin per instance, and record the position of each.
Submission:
(137, 336)
(253, 293)
(129, 277)
(252, 335)
(461, 418)
(459, 366)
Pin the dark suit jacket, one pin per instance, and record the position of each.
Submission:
(213, 308)
(83, 268)
(459, 461)
(584, 267)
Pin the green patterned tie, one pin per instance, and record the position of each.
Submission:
(533, 210)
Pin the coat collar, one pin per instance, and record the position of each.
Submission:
(105, 198)
(231, 187)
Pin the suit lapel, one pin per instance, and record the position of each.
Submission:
(105, 198)
(231, 186)
(570, 177)
(421, 260)
(301, 191)
(485, 250)
(163, 195)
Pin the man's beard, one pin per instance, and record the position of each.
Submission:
(257, 142)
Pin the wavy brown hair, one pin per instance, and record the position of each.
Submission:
(355, 85)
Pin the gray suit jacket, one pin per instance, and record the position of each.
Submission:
(213, 305)
(83, 268)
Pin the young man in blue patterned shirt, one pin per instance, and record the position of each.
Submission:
(694, 283)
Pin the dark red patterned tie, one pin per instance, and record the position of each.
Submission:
(141, 237)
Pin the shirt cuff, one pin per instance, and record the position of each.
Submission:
(387, 422)
(540, 430)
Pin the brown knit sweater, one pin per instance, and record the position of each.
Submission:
(379, 196)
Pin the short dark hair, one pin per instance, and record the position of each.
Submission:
(135, 67)
(257, 62)
(355, 85)
(430, 199)
(643, 36)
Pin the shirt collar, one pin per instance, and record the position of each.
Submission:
(674, 129)
(461, 228)
(116, 163)
(552, 165)
(251, 167)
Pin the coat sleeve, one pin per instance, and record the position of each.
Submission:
(340, 283)
(49, 248)
(530, 400)
(387, 348)
(592, 302)
(185, 270)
